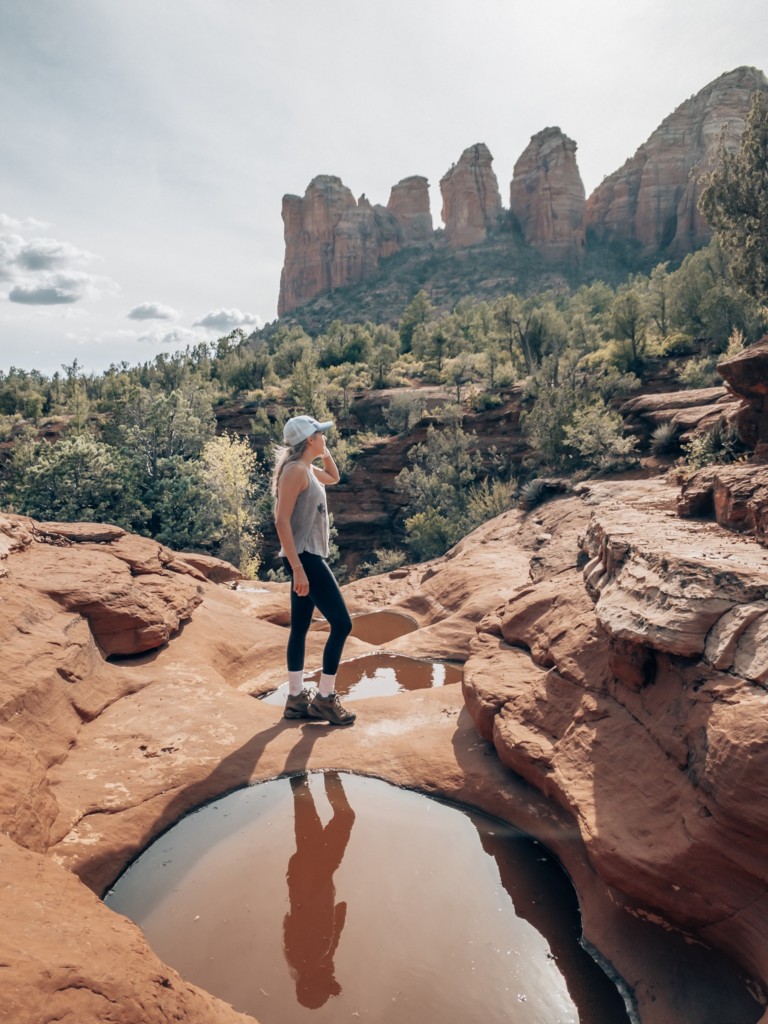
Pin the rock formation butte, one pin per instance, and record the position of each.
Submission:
(331, 240)
(652, 199)
(471, 200)
(649, 204)
(547, 194)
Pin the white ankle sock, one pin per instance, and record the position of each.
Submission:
(295, 682)
(326, 685)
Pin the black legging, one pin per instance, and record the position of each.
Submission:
(324, 594)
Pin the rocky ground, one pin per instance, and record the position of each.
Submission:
(613, 705)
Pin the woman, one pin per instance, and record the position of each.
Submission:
(301, 518)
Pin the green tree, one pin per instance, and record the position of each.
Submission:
(630, 323)
(309, 386)
(232, 479)
(153, 424)
(437, 485)
(418, 312)
(183, 515)
(735, 202)
(383, 354)
(77, 479)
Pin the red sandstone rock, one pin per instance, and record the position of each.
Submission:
(65, 956)
(652, 199)
(688, 411)
(547, 194)
(630, 738)
(409, 205)
(207, 566)
(332, 241)
(735, 496)
(746, 374)
(652, 763)
(471, 199)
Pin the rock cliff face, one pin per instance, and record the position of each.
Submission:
(651, 200)
(623, 687)
(649, 204)
(331, 240)
(546, 194)
(471, 199)
(613, 660)
(409, 205)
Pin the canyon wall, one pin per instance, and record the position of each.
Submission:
(651, 200)
(649, 205)
(333, 240)
(546, 194)
(471, 199)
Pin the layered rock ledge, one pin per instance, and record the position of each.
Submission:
(631, 745)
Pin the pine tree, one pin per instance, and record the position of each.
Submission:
(735, 203)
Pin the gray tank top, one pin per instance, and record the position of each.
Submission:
(309, 519)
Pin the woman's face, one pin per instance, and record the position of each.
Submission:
(316, 441)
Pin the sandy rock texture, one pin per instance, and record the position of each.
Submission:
(546, 194)
(652, 199)
(471, 198)
(333, 240)
(634, 696)
(630, 745)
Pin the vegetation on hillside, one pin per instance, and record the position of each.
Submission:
(138, 445)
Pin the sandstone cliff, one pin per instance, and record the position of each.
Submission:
(649, 205)
(546, 194)
(471, 199)
(331, 240)
(651, 200)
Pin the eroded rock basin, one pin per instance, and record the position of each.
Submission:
(333, 896)
(381, 675)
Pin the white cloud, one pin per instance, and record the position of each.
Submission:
(60, 289)
(228, 320)
(152, 311)
(50, 294)
(24, 224)
(47, 253)
(45, 271)
(178, 336)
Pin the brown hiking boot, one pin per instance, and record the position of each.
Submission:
(330, 709)
(297, 706)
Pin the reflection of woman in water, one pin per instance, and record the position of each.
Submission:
(312, 927)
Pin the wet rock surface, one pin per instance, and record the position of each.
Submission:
(630, 745)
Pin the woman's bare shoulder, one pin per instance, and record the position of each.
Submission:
(295, 474)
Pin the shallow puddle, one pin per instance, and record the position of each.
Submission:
(381, 675)
(332, 897)
(382, 626)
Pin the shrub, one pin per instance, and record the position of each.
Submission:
(384, 560)
(532, 493)
(430, 534)
(488, 500)
(664, 439)
(596, 436)
(718, 445)
(482, 401)
(700, 373)
(405, 411)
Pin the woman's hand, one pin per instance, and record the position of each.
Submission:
(300, 581)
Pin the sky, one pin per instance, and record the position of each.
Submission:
(146, 145)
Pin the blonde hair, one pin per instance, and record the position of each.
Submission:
(283, 455)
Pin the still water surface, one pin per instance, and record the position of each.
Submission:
(329, 897)
(380, 675)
